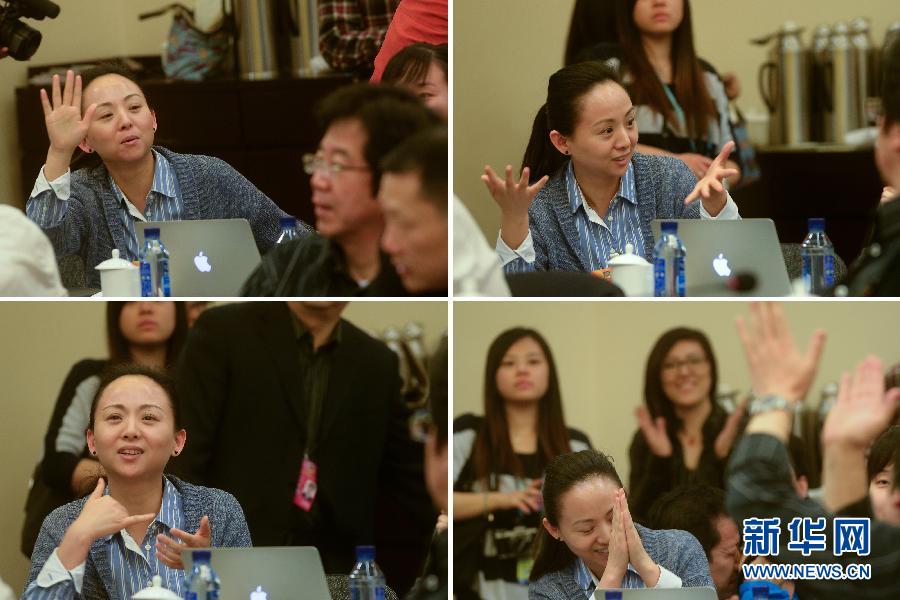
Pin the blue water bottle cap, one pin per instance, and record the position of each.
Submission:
(816, 224)
(151, 233)
(760, 591)
(201, 555)
(288, 222)
(669, 226)
(364, 553)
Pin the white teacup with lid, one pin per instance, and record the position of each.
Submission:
(156, 591)
(632, 273)
(118, 277)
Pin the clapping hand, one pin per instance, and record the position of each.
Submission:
(863, 409)
(65, 126)
(711, 189)
(726, 437)
(168, 550)
(776, 365)
(654, 431)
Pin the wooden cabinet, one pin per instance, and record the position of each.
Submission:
(261, 128)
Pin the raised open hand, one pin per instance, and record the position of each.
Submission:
(711, 189)
(863, 409)
(726, 437)
(514, 197)
(168, 549)
(654, 432)
(103, 515)
(65, 125)
(776, 365)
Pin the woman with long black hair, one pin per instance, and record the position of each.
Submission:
(498, 462)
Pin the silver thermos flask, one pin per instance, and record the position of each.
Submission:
(841, 81)
(784, 86)
(865, 57)
(820, 104)
(255, 38)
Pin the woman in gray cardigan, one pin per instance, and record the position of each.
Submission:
(592, 193)
(91, 211)
(135, 524)
(589, 541)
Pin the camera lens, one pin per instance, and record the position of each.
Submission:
(22, 40)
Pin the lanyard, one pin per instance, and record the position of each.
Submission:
(679, 114)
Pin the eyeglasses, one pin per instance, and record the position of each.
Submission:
(692, 362)
(313, 163)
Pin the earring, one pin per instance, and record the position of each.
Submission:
(94, 452)
(176, 453)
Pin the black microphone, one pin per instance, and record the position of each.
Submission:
(38, 9)
(739, 283)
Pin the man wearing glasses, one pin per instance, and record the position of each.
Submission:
(362, 124)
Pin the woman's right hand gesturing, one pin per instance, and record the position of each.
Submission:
(514, 199)
(66, 128)
(101, 516)
(654, 432)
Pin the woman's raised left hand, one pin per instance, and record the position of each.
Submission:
(711, 188)
(169, 550)
(646, 567)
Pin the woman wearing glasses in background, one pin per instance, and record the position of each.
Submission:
(684, 436)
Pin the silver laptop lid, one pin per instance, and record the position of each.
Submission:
(719, 250)
(687, 593)
(206, 257)
(267, 573)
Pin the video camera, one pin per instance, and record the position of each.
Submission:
(22, 40)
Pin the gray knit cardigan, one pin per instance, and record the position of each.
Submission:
(210, 189)
(662, 183)
(229, 529)
(676, 550)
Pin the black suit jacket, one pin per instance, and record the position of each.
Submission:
(241, 402)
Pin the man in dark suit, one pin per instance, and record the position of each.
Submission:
(278, 395)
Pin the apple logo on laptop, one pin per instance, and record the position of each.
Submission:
(259, 594)
(201, 261)
(720, 266)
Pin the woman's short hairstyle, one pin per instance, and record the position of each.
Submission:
(161, 378)
(119, 347)
(656, 400)
(563, 473)
(562, 111)
(882, 452)
(411, 64)
(493, 451)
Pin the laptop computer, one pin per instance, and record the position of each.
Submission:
(206, 258)
(721, 250)
(267, 573)
(686, 593)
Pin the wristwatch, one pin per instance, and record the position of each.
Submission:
(771, 402)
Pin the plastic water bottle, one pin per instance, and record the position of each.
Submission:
(154, 266)
(760, 592)
(817, 254)
(202, 583)
(288, 230)
(668, 262)
(366, 579)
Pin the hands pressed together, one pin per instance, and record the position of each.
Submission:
(625, 547)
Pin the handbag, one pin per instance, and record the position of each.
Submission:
(191, 53)
(41, 501)
(750, 170)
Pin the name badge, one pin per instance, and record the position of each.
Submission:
(306, 490)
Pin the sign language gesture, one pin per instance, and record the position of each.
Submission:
(101, 516)
(776, 365)
(710, 188)
(514, 198)
(654, 432)
(169, 550)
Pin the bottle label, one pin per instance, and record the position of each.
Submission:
(679, 276)
(829, 270)
(165, 282)
(146, 280)
(659, 277)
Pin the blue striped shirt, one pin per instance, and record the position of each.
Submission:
(133, 566)
(164, 203)
(586, 581)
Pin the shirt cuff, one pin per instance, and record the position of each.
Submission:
(54, 572)
(668, 579)
(525, 250)
(729, 212)
(61, 186)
